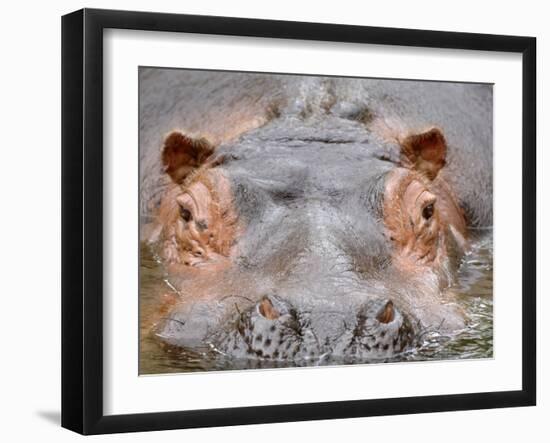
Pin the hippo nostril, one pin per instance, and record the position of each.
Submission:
(387, 314)
(267, 310)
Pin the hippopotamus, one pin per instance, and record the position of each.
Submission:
(306, 218)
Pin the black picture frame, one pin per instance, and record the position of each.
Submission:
(82, 220)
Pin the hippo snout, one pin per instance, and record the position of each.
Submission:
(274, 329)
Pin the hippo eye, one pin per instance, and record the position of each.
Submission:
(428, 211)
(185, 214)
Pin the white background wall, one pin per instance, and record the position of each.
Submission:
(30, 201)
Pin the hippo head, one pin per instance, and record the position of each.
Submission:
(319, 238)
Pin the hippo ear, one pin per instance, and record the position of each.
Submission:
(182, 154)
(424, 152)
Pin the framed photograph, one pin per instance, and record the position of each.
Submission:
(270, 221)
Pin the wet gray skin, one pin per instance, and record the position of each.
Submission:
(308, 185)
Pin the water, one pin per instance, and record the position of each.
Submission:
(473, 292)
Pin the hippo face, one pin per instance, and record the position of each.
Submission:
(309, 236)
